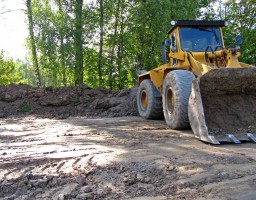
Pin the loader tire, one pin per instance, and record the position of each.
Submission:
(149, 101)
(176, 92)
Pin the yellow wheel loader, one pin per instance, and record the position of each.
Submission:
(202, 86)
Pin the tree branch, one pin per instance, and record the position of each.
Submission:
(8, 11)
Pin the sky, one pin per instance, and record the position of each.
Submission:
(13, 28)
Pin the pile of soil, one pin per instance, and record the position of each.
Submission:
(63, 102)
(229, 100)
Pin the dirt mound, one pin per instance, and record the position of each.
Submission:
(66, 101)
(229, 99)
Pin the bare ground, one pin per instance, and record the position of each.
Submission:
(118, 158)
(75, 143)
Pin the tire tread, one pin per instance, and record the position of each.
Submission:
(180, 82)
(154, 109)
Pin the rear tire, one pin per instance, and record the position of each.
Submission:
(149, 101)
(176, 92)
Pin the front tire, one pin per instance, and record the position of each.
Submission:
(176, 91)
(149, 101)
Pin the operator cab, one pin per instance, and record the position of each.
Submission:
(197, 37)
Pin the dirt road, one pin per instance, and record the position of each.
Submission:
(118, 158)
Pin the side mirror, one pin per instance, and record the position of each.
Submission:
(239, 40)
(168, 42)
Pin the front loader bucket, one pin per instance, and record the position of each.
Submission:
(222, 105)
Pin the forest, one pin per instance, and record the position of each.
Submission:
(104, 43)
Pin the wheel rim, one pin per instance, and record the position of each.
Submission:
(144, 99)
(169, 101)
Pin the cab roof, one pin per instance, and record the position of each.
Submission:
(196, 23)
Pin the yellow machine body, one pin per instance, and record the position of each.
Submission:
(215, 68)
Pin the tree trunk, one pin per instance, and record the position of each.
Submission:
(101, 44)
(32, 43)
(110, 76)
(62, 49)
(79, 71)
(120, 56)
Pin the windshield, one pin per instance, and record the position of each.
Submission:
(198, 38)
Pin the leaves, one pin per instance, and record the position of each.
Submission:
(241, 14)
(10, 72)
(103, 43)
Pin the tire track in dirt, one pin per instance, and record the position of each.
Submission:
(119, 158)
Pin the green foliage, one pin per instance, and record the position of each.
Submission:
(25, 106)
(91, 68)
(242, 18)
(133, 32)
(10, 71)
(74, 99)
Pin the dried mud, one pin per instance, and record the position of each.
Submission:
(118, 158)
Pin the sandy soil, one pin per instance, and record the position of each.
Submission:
(118, 158)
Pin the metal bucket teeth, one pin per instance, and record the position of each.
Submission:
(251, 137)
(214, 101)
(233, 139)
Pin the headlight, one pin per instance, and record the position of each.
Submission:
(173, 22)
(227, 23)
